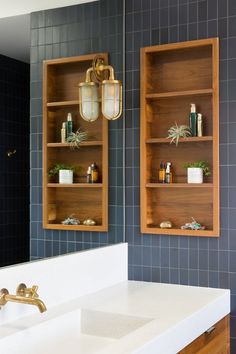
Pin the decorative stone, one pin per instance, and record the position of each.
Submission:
(71, 221)
(166, 225)
(194, 225)
(89, 222)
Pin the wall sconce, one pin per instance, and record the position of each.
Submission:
(111, 92)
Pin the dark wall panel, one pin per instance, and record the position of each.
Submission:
(14, 172)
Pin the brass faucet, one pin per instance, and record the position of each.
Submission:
(23, 295)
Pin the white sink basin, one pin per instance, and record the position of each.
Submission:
(111, 325)
(81, 331)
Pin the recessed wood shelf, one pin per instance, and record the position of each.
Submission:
(193, 139)
(75, 185)
(155, 229)
(179, 93)
(172, 77)
(84, 143)
(95, 228)
(60, 96)
(179, 185)
(63, 103)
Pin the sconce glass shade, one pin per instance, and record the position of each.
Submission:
(89, 103)
(111, 99)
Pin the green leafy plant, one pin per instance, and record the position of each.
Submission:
(178, 131)
(54, 171)
(199, 164)
(74, 139)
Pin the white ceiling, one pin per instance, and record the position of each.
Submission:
(15, 37)
(15, 24)
(16, 7)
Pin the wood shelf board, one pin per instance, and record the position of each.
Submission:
(157, 230)
(74, 59)
(98, 228)
(193, 139)
(84, 143)
(179, 185)
(179, 93)
(63, 103)
(181, 45)
(75, 185)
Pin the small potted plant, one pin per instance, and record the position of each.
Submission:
(178, 131)
(196, 170)
(64, 172)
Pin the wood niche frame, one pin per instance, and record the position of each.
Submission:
(60, 96)
(172, 77)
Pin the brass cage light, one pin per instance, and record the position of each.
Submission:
(111, 93)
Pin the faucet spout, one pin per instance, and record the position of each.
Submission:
(23, 296)
(26, 300)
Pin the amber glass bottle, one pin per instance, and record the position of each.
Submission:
(94, 173)
(162, 173)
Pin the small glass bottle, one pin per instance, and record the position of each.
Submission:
(69, 124)
(63, 133)
(193, 119)
(199, 124)
(89, 175)
(169, 177)
(162, 173)
(94, 173)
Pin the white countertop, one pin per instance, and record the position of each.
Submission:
(175, 315)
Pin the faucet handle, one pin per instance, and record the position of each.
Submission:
(22, 290)
(3, 293)
(33, 291)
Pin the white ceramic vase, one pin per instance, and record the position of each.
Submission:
(195, 175)
(65, 176)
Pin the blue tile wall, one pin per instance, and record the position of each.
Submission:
(183, 260)
(96, 27)
(14, 172)
(64, 32)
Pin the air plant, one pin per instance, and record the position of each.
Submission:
(74, 139)
(178, 131)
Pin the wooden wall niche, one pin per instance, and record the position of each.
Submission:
(172, 77)
(60, 96)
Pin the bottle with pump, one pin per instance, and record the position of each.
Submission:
(169, 176)
(63, 133)
(199, 124)
(69, 124)
(162, 173)
(94, 173)
(193, 119)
